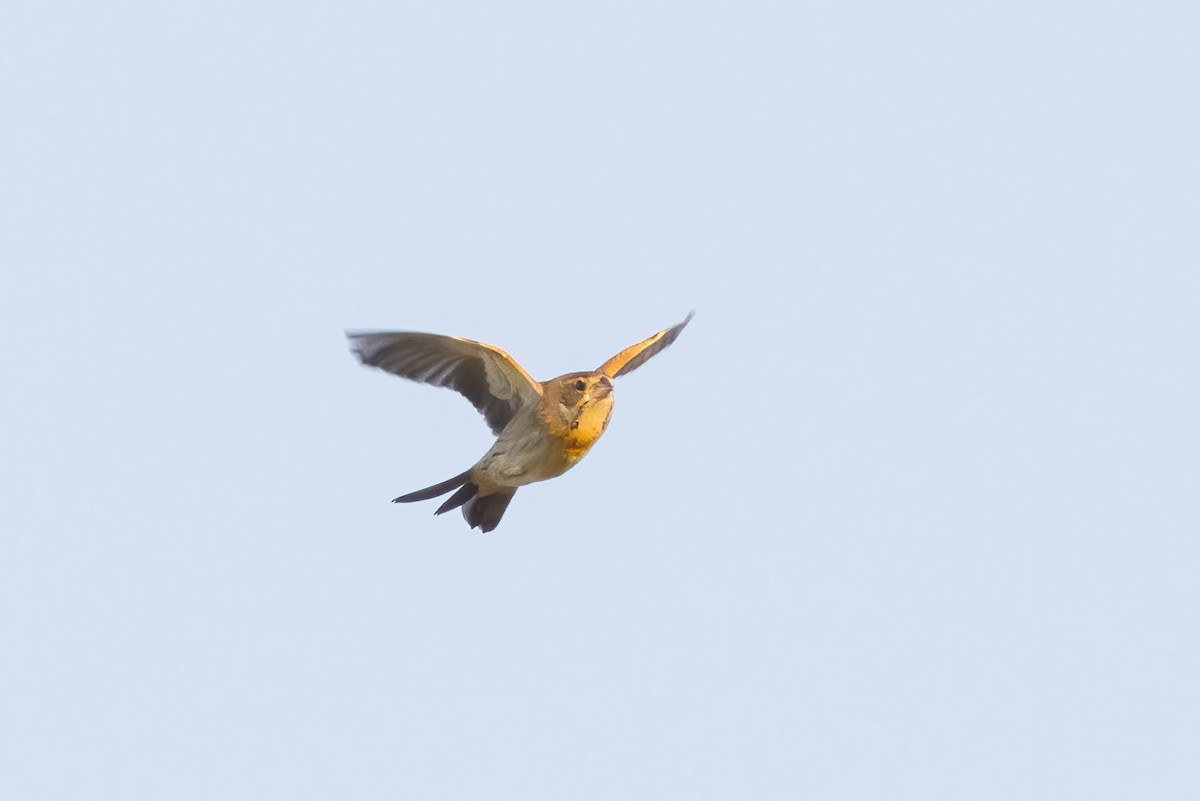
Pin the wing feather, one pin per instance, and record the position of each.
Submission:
(487, 376)
(635, 356)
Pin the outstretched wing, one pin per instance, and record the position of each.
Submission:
(634, 357)
(485, 375)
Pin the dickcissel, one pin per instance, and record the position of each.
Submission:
(542, 428)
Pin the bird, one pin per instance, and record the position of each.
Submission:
(542, 428)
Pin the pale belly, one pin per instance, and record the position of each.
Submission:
(531, 453)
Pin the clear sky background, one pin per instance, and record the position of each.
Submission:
(909, 511)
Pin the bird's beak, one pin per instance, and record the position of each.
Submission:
(602, 390)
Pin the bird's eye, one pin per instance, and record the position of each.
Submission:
(581, 385)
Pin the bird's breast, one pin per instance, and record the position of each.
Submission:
(581, 433)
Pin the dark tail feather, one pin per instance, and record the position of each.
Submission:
(465, 493)
(435, 490)
(485, 512)
(480, 512)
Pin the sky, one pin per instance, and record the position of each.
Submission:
(909, 511)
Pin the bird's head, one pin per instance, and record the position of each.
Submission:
(575, 390)
(580, 399)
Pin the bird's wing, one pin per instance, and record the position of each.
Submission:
(485, 375)
(634, 357)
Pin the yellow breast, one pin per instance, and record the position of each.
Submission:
(578, 436)
(580, 441)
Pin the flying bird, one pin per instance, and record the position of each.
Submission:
(542, 428)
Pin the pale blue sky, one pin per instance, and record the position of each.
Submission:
(908, 512)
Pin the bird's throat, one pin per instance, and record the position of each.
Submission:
(582, 427)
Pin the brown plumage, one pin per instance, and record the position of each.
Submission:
(542, 428)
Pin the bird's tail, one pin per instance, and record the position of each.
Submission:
(437, 489)
(485, 511)
(480, 512)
